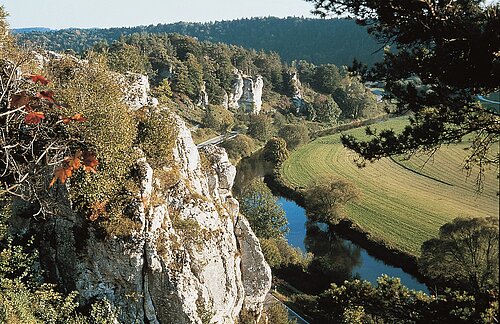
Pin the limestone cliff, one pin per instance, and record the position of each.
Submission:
(246, 93)
(191, 258)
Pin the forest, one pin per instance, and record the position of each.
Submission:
(337, 41)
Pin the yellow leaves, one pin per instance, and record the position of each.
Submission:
(85, 159)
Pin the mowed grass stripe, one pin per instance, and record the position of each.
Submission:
(401, 203)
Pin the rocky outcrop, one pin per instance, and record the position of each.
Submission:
(203, 96)
(246, 93)
(256, 273)
(189, 257)
(136, 88)
(297, 99)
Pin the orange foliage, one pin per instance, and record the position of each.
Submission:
(76, 117)
(34, 117)
(89, 161)
(98, 208)
(72, 163)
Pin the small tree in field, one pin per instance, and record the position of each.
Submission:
(325, 200)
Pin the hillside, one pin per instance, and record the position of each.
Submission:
(319, 41)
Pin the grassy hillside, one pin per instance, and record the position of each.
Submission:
(402, 203)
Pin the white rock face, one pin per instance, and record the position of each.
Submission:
(256, 273)
(185, 261)
(136, 89)
(246, 93)
(203, 96)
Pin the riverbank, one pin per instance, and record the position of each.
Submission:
(348, 229)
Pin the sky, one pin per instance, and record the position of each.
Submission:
(58, 14)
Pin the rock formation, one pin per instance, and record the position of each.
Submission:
(246, 93)
(297, 99)
(189, 257)
(203, 96)
(136, 89)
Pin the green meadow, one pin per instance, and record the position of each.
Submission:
(403, 202)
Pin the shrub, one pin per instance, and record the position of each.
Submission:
(157, 133)
(218, 118)
(294, 135)
(239, 147)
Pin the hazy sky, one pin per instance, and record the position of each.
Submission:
(114, 13)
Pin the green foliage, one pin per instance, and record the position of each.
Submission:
(355, 100)
(326, 78)
(433, 75)
(321, 40)
(325, 200)
(278, 314)
(157, 132)
(275, 151)
(465, 254)
(90, 89)
(239, 147)
(123, 57)
(218, 118)
(261, 127)
(261, 208)
(102, 312)
(324, 109)
(294, 135)
(163, 91)
(390, 302)
(278, 253)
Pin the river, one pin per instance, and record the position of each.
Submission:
(344, 258)
(362, 264)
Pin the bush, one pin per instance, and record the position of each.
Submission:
(275, 151)
(157, 133)
(239, 147)
(218, 118)
(278, 253)
(294, 135)
(326, 200)
(90, 89)
(261, 127)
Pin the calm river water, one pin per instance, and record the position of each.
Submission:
(350, 260)
(363, 265)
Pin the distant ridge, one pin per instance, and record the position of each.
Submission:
(319, 41)
(30, 30)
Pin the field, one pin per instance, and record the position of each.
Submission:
(402, 203)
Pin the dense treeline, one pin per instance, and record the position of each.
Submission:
(184, 69)
(320, 41)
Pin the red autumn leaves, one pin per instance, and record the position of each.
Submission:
(85, 160)
(38, 78)
(32, 104)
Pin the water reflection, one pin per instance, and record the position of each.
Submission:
(334, 258)
(346, 259)
(250, 168)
